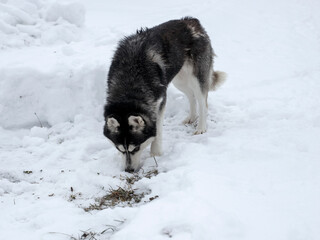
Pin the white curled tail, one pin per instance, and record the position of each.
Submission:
(218, 78)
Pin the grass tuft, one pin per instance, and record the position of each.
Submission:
(120, 196)
(124, 196)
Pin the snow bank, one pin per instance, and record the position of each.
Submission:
(36, 22)
(53, 95)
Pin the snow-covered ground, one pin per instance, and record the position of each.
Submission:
(253, 175)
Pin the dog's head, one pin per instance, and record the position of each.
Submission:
(130, 134)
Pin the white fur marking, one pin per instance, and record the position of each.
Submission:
(156, 58)
(195, 33)
(121, 148)
(131, 148)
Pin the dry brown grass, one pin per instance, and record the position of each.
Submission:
(117, 197)
(126, 196)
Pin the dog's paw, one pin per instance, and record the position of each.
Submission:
(200, 131)
(189, 120)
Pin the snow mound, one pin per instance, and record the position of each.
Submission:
(38, 22)
(35, 97)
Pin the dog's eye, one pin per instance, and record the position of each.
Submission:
(133, 148)
(136, 149)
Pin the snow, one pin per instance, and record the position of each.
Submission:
(253, 175)
(38, 22)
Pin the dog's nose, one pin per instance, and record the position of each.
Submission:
(129, 169)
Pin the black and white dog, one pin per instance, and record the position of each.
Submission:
(142, 67)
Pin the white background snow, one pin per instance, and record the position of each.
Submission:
(254, 175)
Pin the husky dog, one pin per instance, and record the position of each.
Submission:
(142, 67)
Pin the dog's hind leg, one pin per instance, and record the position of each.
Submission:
(203, 72)
(191, 118)
(195, 88)
(203, 110)
(184, 81)
(192, 103)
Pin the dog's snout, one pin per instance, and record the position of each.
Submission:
(128, 163)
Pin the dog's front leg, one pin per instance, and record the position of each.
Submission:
(156, 145)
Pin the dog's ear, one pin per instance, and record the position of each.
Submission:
(137, 123)
(113, 124)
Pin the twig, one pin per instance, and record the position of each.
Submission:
(155, 161)
(87, 234)
(38, 119)
(110, 227)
